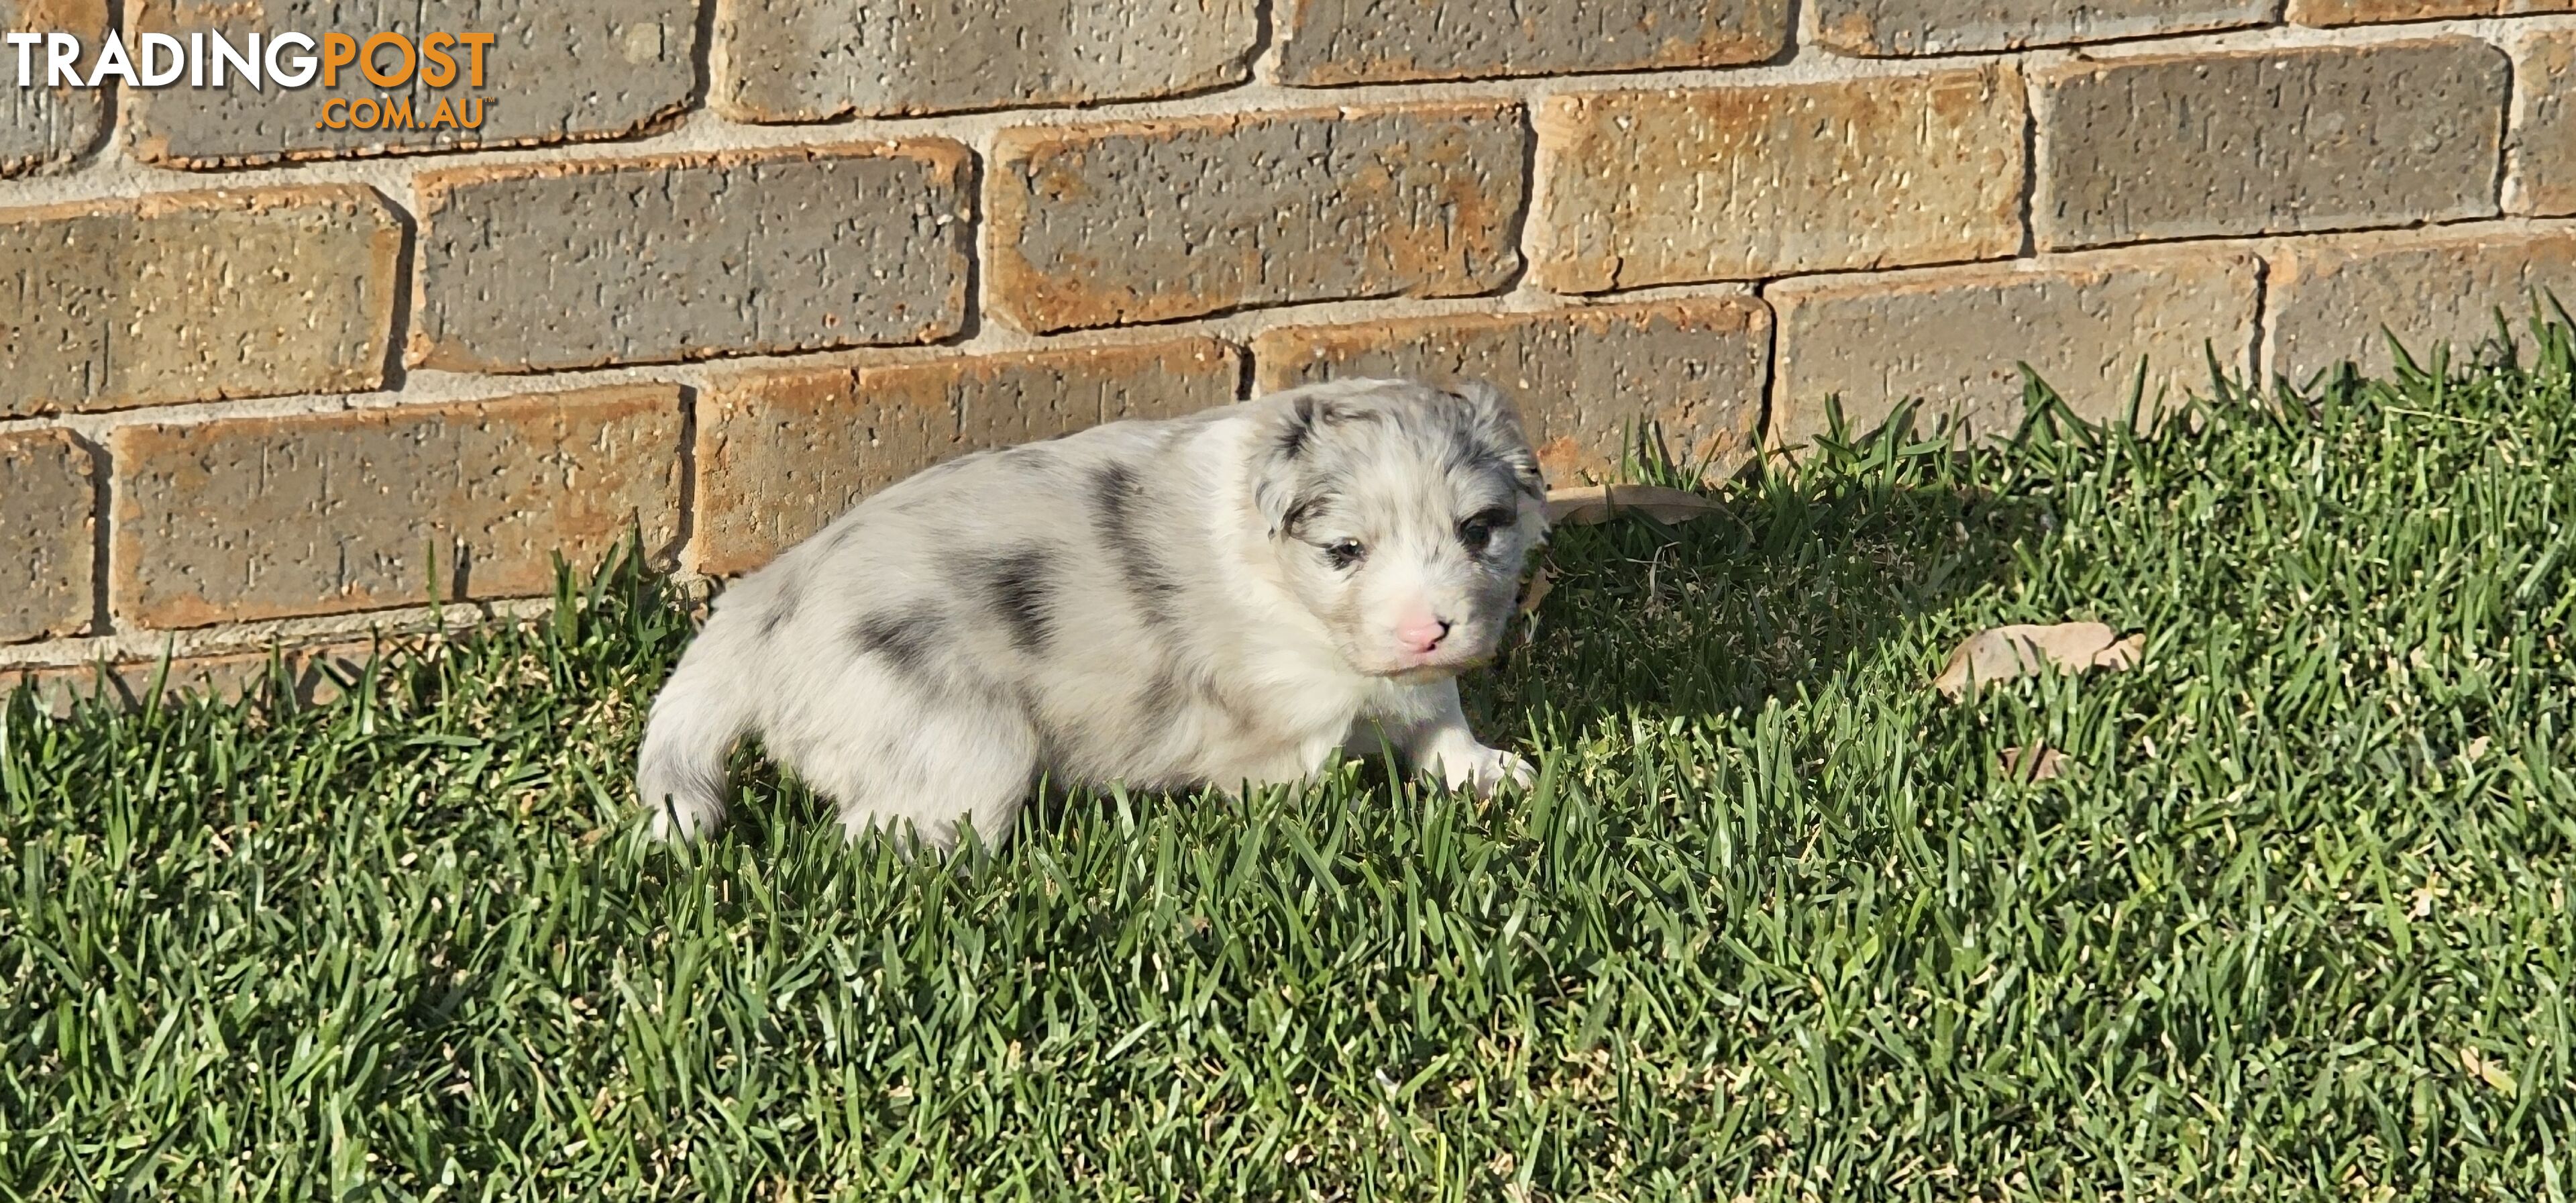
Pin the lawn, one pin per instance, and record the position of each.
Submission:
(2291, 922)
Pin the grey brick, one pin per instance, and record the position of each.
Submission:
(2374, 12)
(813, 60)
(1740, 183)
(1364, 41)
(1583, 379)
(578, 264)
(1951, 337)
(47, 496)
(196, 296)
(1907, 27)
(44, 129)
(2331, 299)
(780, 453)
(250, 518)
(1150, 221)
(571, 70)
(2277, 141)
(2543, 175)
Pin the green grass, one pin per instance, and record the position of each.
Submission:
(2295, 923)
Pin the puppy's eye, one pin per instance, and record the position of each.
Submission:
(1477, 531)
(1345, 552)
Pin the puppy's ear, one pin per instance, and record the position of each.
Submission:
(1497, 423)
(1278, 460)
(1274, 494)
(1488, 402)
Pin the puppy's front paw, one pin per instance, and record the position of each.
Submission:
(684, 821)
(1481, 770)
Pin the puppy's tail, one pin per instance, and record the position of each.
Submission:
(681, 772)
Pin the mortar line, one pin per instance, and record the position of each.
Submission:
(102, 619)
(676, 555)
(2259, 354)
(2508, 180)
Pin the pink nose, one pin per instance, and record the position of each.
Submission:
(1421, 635)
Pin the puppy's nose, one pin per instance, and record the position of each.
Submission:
(1421, 635)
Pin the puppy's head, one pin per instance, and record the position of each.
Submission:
(1401, 516)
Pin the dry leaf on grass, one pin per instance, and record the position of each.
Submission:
(1531, 595)
(1536, 591)
(2033, 764)
(2425, 896)
(2485, 1071)
(1595, 503)
(2003, 653)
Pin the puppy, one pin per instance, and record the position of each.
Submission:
(1234, 598)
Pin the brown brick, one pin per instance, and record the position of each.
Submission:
(196, 296)
(1670, 187)
(252, 518)
(1368, 41)
(2374, 12)
(1951, 338)
(543, 266)
(43, 129)
(2543, 175)
(2331, 298)
(1583, 378)
(56, 688)
(47, 495)
(782, 453)
(2275, 141)
(566, 71)
(1149, 221)
(814, 60)
(1887, 28)
(310, 675)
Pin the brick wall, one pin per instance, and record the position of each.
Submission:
(715, 268)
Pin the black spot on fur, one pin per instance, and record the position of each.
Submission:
(1514, 467)
(1299, 514)
(905, 640)
(1309, 414)
(1301, 423)
(791, 593)
(1111, 486)
(1160, 706)
(1464, 457)
(1113, 519)
(1018, 587)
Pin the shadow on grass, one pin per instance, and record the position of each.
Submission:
(1803, 572)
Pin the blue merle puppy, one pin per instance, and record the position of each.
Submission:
(1232, 598)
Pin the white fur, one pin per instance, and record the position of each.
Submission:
(1169, 604)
